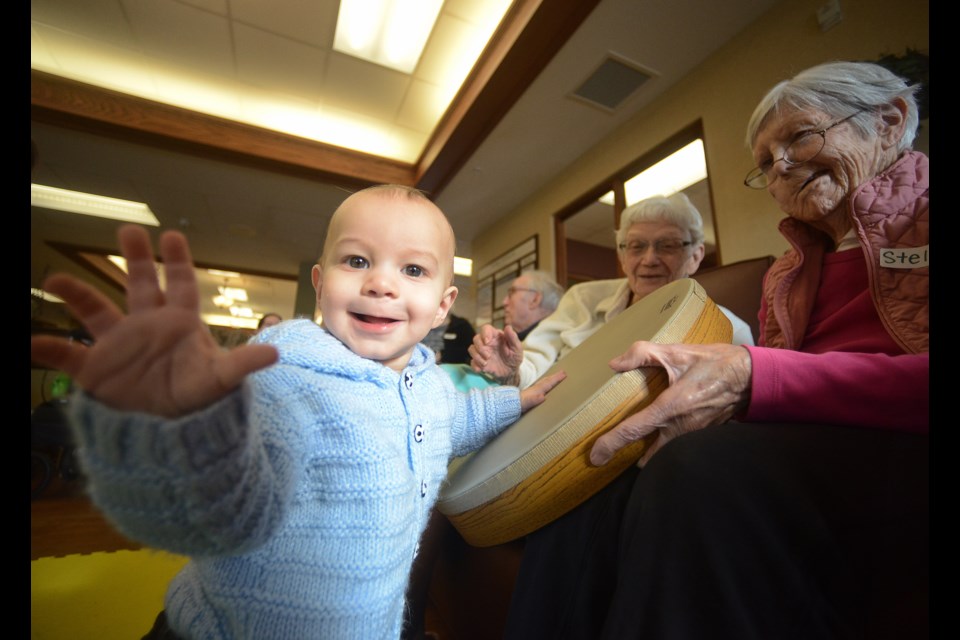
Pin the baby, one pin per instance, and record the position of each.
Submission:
(298, 471)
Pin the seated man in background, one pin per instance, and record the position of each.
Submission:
(532, 297)
(660, 240)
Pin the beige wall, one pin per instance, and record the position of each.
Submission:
(723, 92)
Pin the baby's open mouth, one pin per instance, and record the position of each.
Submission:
(372, 319)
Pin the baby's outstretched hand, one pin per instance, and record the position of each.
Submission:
(537, 392)
(159, 358)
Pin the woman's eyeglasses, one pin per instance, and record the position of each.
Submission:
(804, 149)
(665, 247)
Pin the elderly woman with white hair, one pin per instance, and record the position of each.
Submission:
(786, 492)
(659, 240)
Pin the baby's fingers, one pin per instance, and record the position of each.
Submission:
(58, 353)
(88, 305)
(181, 288)
(233, 366)
(143, 285)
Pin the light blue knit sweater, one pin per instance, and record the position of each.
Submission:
(300, 498)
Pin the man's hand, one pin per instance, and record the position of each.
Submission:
(497, 353)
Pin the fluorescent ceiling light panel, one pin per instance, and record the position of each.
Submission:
(91, 205)
(43, 295)
(674, 173)
(391, 33)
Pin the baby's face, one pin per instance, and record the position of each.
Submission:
(384, 280)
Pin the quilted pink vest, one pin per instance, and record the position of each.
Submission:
(891, 217)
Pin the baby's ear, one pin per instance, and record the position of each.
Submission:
(446, 303)
(316, 276)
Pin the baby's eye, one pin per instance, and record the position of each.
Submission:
(413, 271)
(357, 262)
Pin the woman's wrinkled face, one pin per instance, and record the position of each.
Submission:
(649, 270)
(816, 189)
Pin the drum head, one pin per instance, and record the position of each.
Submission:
(538, 468)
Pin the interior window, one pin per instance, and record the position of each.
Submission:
(585, 229)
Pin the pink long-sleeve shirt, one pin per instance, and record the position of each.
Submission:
(849, 370)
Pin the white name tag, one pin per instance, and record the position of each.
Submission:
(449, 336)
(908, 258)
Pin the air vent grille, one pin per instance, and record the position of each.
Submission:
(612, 83)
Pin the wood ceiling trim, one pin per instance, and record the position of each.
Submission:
(531, 34)
(76, 105)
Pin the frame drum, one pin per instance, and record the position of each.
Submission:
(538, 468)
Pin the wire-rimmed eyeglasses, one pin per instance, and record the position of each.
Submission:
(664, 247)
(513, 290)
(804, 149)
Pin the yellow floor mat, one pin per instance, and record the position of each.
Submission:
(99, 596)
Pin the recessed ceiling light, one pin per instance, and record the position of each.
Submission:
(391, 33)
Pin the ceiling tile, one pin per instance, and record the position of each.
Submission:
(40, 55)
(101, 20)
(309, 21)
(192, 89)
(192, 37)
(370, 135)
(279, 64)
(363, 87)
(218, 7)
(451, 51)
(86, 60)
(473, 10)
(422, 107)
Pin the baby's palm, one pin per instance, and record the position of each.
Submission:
(159, 359)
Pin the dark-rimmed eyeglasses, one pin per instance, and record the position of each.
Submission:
(804, 149)
(665, 247)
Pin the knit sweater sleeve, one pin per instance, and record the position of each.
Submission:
(203, 484)
(481, 414)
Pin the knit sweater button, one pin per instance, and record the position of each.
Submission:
(408, 380)
(423, 489)
(418, 433)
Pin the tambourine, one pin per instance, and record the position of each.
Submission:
(538, 468)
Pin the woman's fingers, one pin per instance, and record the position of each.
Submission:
(633, 428)
(708, 384)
